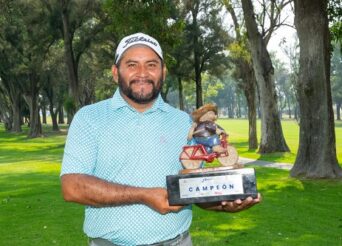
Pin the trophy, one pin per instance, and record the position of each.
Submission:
(199, 184)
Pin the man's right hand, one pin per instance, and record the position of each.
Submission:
(157, 199)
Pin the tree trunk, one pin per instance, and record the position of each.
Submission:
(53, 118)
(15, 93)
(272, 138)
(248, 85)
(316, 156)
(338, 109)
(7, 122)
(50, 96)
(31, 99)
(35, 123)
(61, 114)
(296, 113)
(70, 116)
(230, 110)
(6, 115)
(69, 54)
(44, 114)
(16, 114)
(289, 107)
(197, 59)
(252, 126)
(180, 93)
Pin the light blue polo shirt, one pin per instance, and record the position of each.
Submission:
(114, 142)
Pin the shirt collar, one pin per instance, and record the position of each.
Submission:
(119, 102)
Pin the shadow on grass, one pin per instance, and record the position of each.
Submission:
(291, 213)
(43, 153)
(272, 157)
(17, 147)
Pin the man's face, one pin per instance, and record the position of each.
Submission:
(140, 74)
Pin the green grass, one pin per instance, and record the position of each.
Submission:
(293, 212)
(238, 130)
(32, 211)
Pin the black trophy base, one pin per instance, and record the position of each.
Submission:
(211, 185)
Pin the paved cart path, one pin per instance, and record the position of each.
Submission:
(279, 165)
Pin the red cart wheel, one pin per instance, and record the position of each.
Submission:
(187, 162)
(231, 158)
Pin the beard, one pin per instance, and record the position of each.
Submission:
(140, 97)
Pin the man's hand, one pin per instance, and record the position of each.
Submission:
(232, 206)
(157, 199)
(238, 205)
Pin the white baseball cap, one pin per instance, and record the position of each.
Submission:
(134, 39)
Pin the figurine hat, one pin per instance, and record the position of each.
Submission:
(196, 115)
(134, 39)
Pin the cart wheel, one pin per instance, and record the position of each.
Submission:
(231, 159)
(187, 163)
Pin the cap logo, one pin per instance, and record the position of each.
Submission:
(138, 39)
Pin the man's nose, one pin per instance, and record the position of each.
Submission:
(142, 71)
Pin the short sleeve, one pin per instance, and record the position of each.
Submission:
(81, 147)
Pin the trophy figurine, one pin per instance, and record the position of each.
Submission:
(199, 184)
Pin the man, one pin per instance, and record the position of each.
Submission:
(119, 151)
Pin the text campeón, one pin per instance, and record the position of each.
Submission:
(205, 188)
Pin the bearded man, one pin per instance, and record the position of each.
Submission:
(120, 150)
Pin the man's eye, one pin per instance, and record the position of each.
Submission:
(152, 65)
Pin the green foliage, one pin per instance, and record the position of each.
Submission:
(69, 104)
(156, 18)
(239, 50)
(335, 19)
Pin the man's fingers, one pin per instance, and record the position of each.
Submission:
(175, 208)
(238, 205)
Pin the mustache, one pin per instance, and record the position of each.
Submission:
(134, 81)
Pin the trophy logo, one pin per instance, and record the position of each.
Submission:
(199, 184)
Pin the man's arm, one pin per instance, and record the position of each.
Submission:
(90, 190)
(231, 206)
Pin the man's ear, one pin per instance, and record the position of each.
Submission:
(115, 73)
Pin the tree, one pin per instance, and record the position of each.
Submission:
(165, 24)
(207, 39)
(244, 74)
(292, 53)
(180, 68)
(79, 23)
(26, 40)
(5, 110)
(272, 138)
(336, 80)
(316, 157)
(9, 63)
(284, 87)
(226, 95)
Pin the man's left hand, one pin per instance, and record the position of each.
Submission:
(232, 206)
(238, 205)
